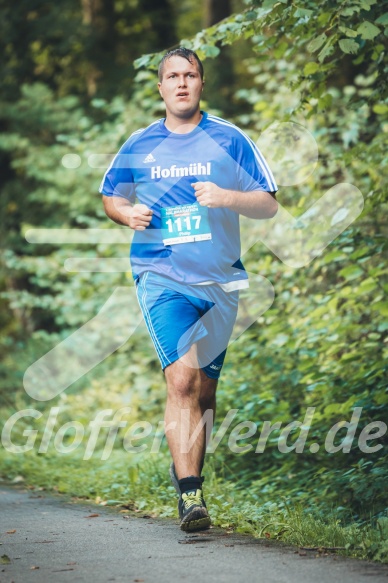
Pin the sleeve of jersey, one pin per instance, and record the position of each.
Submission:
(252, 168)
(118, 180)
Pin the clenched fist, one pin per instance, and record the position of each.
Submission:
(140, 217)
(209, 194)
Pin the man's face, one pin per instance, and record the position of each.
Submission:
(181, 87)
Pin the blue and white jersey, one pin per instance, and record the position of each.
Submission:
(156, 167)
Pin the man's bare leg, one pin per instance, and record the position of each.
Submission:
(207, 402)
(191, 390)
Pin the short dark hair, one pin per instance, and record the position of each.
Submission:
(180, 52)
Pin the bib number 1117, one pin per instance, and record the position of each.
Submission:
(187, 223)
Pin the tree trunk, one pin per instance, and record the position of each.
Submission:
(219, 72)
(216, 10)
(162, 23)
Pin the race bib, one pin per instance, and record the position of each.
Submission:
(185, 223)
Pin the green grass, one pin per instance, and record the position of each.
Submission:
(142, 483)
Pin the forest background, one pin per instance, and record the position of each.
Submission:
(77, 78)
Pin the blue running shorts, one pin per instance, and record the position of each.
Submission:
(178, 315)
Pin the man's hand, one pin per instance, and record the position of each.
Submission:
(122, 212)
(255, 204)
(140, 217)
(211, 195)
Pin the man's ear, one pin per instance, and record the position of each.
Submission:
(160, 89)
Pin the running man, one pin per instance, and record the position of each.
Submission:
(181, 184)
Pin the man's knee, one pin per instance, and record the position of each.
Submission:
(208, 391)
(206, 398)
(183, 384)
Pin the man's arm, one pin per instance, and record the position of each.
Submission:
(122, 212)
(256, 204)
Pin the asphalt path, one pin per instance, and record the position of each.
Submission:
(48, 538)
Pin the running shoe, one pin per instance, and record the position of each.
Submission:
(174, 478)
(192, 511)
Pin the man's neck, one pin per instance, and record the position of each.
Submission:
(182, 126)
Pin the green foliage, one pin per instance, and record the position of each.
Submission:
(80, 48)
(349, 46)
(283, 30)
(322, 344)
